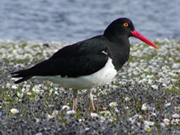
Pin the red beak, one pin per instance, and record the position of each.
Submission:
(141, 37)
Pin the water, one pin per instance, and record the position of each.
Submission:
(75, 20)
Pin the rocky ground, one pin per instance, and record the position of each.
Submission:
(144, 97)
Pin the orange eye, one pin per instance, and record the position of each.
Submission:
(125, 24)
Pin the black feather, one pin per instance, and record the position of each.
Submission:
(83, 58)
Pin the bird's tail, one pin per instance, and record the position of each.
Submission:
(22, 74)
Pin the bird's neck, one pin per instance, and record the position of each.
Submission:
(119, 52)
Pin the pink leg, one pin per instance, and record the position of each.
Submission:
(91, 101)
(75, 99)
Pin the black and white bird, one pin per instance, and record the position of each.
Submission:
(89, 63)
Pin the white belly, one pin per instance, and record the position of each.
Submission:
(100, 77)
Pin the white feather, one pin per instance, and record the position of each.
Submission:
(98, 78)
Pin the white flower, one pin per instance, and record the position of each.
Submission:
(14, 87)
(175, 121)
(37, 120)
(114, 86)
(127, 99)
(163, 68)
(113, 104)
(36, 90)
(167, 104)
(14, 110)
(150, 123)
(149, 76)
(51, 105)
(176, 65)
(102, 119)
(48, 116)
(126, 107)
(86, 129)
(70, 112)
(56, 93)
(105, 113)
(94, 114)
(65, 107)
(55, 112)
(8, 85)
(116, 110)
(50, 91)
(80, 120)
(154, 86)
(20, 94)
(165, 85)
(136, 116)
(24, 90)
(150, 81)
(166, 121)
(175, 115)
(147, 128)
(144, 107)
(29, 93)
(162, 124)
(160, 73)
(153, 114)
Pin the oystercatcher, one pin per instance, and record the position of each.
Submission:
(89, 63)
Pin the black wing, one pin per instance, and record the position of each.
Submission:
(79, 59)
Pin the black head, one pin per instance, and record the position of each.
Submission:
(119, 28)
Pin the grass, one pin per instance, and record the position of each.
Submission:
(145, 94)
